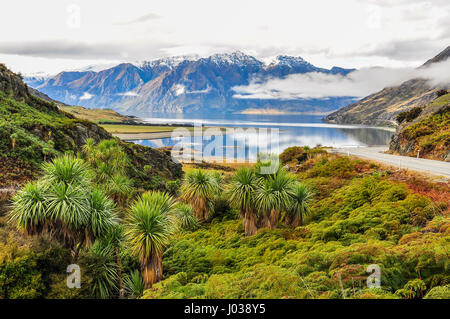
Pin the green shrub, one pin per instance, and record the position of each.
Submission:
(409, 115)
(440, 292)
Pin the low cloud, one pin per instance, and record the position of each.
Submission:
(405, 50)
(81, 50)
(141, 19)
(359, 83)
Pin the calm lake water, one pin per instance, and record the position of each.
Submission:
(271, 134)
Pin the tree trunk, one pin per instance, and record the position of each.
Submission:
(298, 220)
(288, 220)
(152, 271)
(264, 222)
(274, 218)
(249, 223)
(200, 210)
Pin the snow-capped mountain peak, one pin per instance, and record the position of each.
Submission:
(288, 61)
(170, 62)
(237, 58)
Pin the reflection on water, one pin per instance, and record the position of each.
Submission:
(294, 130)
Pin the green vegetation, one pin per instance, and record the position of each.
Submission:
(32, 130)
(72, 211)
(410, 115)
(309, 230)
(150, 223)
(200, 188)
(63, 204)
(425, 130)
(241, 192)
(78, 203)
(432, 134)
(365, 218)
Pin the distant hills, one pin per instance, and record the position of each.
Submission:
(382, 108)
(183, 84)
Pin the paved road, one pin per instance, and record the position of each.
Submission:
(437, 168)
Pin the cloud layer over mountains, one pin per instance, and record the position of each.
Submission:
(358, 83)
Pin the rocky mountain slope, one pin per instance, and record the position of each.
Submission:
(425, 131)
(382, 108)
(33, 130)
(183, 84)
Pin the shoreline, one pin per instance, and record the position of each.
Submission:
(253, 111)
(160, 134)
(142, 136)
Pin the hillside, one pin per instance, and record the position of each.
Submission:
(382, 108)
(33, 130)
(183, 84)
(424, 131)
(359, 214)
(362, 214)
(97, 115)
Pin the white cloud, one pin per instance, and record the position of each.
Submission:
(179, 89)
(324, 32)
(86, 96)
(199, 91)
(129, 93)
(141, 19)
(359, 83)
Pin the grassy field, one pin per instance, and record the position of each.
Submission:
(131, 129)
(95, 115)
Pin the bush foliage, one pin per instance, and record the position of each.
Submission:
(365, 219)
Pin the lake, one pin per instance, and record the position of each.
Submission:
(263, 133)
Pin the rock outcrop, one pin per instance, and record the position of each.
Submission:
(425, 132)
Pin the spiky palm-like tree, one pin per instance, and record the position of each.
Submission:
(89, 150)
(107, 157)
(113, 242)
(199, 188)
(134, 284)
(102, 266)
(273, 196)
(185, 217)
(102, 217)
(241, 193)
(149, 225)
(67, 214)
(301, 200)
(110, 162)
(68, 170)
(120, 188)
(29, 209)
(64, 205)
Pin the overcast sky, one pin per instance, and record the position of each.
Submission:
(50, 36)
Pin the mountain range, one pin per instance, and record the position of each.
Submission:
(381, 108)
(183, 84)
